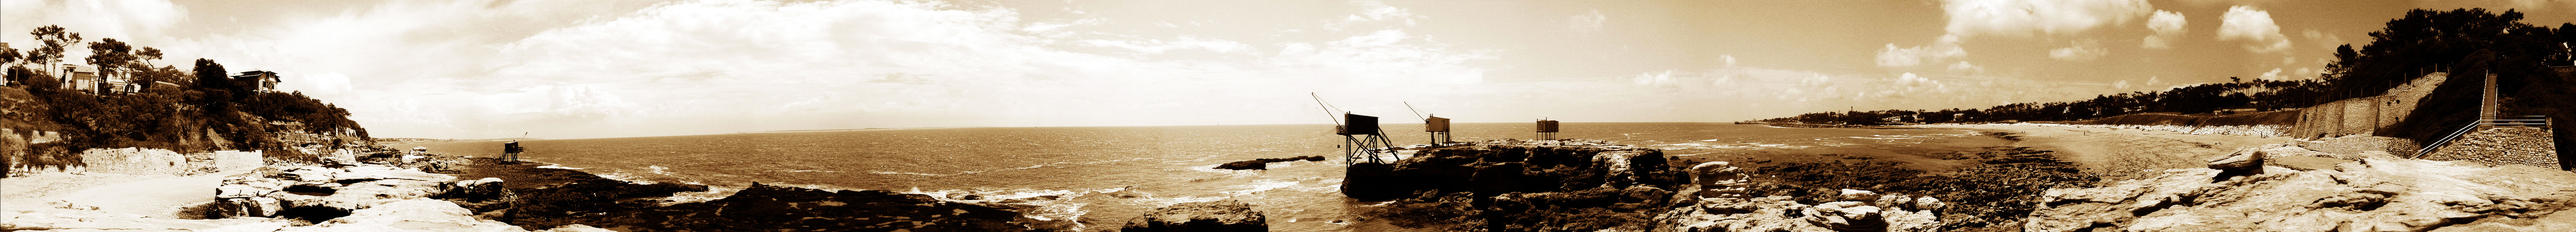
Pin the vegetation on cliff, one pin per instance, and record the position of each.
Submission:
(194, 110)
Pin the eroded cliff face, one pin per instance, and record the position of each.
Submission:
(2376, 193)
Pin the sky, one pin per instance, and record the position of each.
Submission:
(591, 69)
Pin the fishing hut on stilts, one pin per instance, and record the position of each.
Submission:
(1362, 140)
(1439, 127)
(1547, 129)
(510, 150)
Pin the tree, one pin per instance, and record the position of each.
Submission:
(51, 52)
(148, 54)
(8, 55)
(217, 87)
(110, 56)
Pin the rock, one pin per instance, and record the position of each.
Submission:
(774, 208)
(409, 215)
(1893, 202)
(1225, 215)
(1526, 186)
(2374, 194)
(1263, 164)
(1846, 216)
(1719, 180)
(1245, 165)
(1864, 196)
(317, 193)
(39, 219)
(1928, 203)
(2243, 162)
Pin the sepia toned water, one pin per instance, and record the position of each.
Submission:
(1106, 175)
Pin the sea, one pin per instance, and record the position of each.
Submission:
(1102, 176)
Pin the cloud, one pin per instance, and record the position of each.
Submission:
(123, 20)
(2253, 26)
(1586, 23)
(2168, 26)
(2275, 74)
(1374, 11)
(2028, 17)
(1158, 46)
(1945, 48)
(2081, 50)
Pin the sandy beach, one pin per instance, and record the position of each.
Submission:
(2123, 154)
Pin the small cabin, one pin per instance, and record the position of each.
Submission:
(1435, 124)
(1354, 124)
(261, 80)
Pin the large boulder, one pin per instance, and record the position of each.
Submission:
(1225, 215)
(2243, 162)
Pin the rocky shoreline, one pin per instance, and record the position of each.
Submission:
(421, 191)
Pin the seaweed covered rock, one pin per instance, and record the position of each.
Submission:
(777, 208)
(1494, 169)
(1264, 163)
(1225, 215)
(1580, 185)
(537, 197)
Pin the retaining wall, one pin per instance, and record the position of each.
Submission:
(232, 161)
(2502, 146)
(2364, 116)
(2351, 147)
(134, 161)
(35, 137)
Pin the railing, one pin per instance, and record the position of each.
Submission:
(2446, 139)
(2541, 121)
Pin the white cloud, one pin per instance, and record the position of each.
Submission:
(2168, 26)
(123, 20)
(1158, 46)
(1943, 49)
(2275, 74)
(2027, 17)
(2081, 50)
(2253, 26)
(1964, 66)
(1587, 23)
(1374, 11)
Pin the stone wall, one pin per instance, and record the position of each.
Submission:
(35, 137)
(2254, 130)
(2503, 146)
(137, 161)
(2351, 147)
(235, 161)
(2364, 116)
